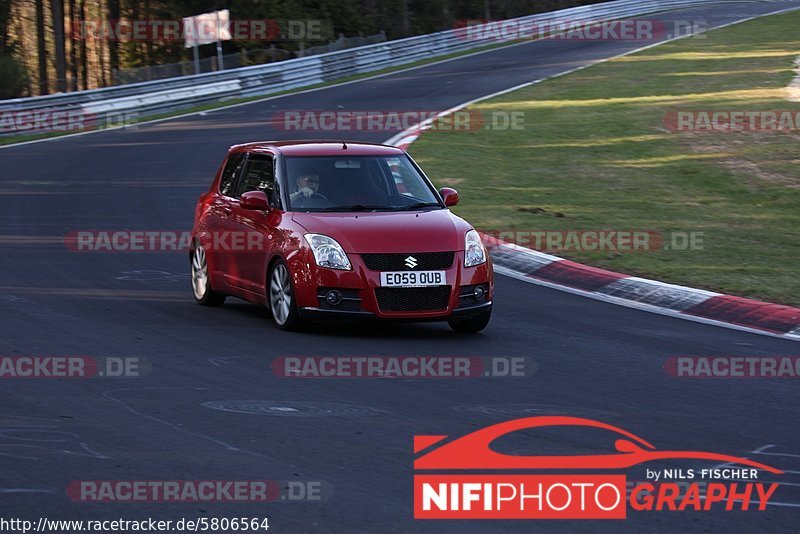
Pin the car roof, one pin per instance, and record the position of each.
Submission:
(318, 148)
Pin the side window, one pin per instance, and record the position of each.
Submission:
(406, 180)
(230, 173)
(258, 175)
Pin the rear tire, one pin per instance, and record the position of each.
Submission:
(471, 325)
(201, 283)
(280, 298)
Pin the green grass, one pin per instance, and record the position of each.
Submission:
(595, 154)
(14, 139)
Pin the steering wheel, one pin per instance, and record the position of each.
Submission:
(316, 200)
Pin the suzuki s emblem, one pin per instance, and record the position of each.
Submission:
(411, 262)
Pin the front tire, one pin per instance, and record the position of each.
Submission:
(471, 325)
(201, 284)
(280, 298)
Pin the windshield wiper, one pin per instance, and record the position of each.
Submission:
(417, 206)
(354, 207)
(366, 207)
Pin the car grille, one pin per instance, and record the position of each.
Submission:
(412, 298)
(425, 261)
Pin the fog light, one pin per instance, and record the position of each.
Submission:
(333, 297)
(479, 293)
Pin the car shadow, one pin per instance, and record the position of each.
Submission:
(353, 329)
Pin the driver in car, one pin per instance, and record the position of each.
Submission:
(307, 185)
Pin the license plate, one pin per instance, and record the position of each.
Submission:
(413, 278)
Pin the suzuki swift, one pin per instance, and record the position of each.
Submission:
(338, 230)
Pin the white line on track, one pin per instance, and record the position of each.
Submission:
(376, 76)
(272, 97)
(597, 296)
(636, 305)
(761, 450)
(405, 133)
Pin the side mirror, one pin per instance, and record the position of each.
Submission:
(254, 200)
(449, 195)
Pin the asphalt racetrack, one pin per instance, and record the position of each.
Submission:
(207, 410)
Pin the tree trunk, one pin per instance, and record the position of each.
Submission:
(84, 57)
(73, 52)
(57, 8)
(100, 51)
(5, 22)
(113, 44)
(405, 18)
(149, 45)
(41, 48)
(447, 14)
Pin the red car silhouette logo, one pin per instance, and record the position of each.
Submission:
(473, 451)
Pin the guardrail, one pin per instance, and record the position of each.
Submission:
(105, 106)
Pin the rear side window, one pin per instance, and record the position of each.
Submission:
(231, 172)
(258, 175)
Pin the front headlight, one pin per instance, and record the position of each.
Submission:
(474, 252)
(327, 252)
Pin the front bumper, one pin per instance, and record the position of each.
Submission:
(359, 289)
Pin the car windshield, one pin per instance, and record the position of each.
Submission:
(357, 183)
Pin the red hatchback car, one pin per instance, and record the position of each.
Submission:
(321, 229)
